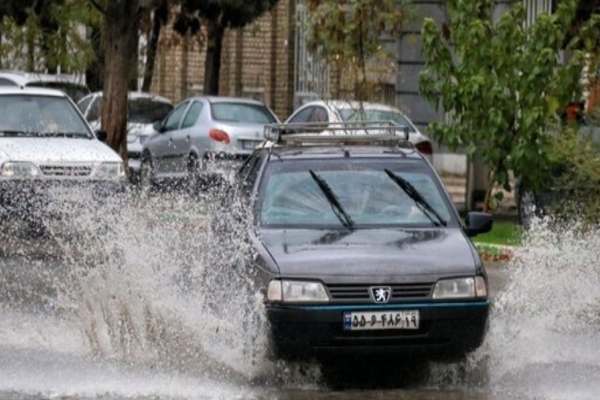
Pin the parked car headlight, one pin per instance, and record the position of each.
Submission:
(19, 170)
(110, 170)
(296, 292)
(460, 288)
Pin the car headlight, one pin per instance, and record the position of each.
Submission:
(460, 288)
(296, 292)
(19, 170)
(110, 170)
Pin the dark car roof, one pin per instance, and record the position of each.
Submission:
(336, 151)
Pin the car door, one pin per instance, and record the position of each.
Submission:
(185, 137)
(167, 151)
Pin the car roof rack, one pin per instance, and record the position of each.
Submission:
(341, 133)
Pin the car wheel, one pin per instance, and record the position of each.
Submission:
(526, 207)
(146, 176)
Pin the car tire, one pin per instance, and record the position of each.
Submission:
(146, 177)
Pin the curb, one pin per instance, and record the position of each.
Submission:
(495, 252)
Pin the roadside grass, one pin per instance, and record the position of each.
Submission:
(504, 233)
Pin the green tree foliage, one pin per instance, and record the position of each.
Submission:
(502, 84)
(41, 35)
(217, 16)
(575, 160)
(348, 34)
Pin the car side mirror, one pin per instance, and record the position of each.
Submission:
(477, 223)
(157, 126)
(101, 135)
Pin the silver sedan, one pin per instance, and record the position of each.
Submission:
(202, 137)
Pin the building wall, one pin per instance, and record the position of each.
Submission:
(257, 61)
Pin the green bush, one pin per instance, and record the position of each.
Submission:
(575, 175)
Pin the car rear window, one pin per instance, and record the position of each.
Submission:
(242, 112)
(147, 111)
(291, 197)
(40, 116)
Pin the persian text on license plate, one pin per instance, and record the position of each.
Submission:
(378, 320)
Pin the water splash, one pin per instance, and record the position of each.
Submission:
(543, 340)
(163, 282)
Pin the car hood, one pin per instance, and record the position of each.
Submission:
(380, 254)
(56, 150)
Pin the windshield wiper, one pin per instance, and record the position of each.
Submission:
(419, 200)
(66, 134)
(337, 208)
(15, 133)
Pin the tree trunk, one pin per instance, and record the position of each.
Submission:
(120, 41)
(215, 32)
(94, 74)
(134, 59)
(159, 17)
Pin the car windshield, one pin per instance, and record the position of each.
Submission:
(147, 111)
(355, 115)
(30, 115)
(242, 112)
(292, 197)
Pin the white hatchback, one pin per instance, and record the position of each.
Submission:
(340, 111)
(47, 146)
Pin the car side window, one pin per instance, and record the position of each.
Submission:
(249, 172)
(84, 103)
(192, 115)
(95, 109)
(319, 115)
(174, 118)
(302, 116)
(6, 82)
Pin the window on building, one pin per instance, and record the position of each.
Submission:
(535, 8)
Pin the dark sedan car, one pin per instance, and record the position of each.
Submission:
(360, 250)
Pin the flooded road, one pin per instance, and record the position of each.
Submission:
(118, 308)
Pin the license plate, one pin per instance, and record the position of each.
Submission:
(250, 144)
(380, 320)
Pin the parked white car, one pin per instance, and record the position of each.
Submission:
(48, 149)
(144, 109)
(339, 111)
(202, 137)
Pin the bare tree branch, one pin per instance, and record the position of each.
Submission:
(97, 6)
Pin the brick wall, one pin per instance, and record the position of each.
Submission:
(257, 61)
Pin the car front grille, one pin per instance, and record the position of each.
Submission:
(351, 293)
(66, 170)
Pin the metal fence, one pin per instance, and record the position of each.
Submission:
(535, 8)
(311, 75)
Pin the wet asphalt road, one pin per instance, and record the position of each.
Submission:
(56, 371)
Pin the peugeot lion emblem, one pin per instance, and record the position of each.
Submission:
(381, 294)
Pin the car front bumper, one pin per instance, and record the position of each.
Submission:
(38, 196)
(449, 329)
